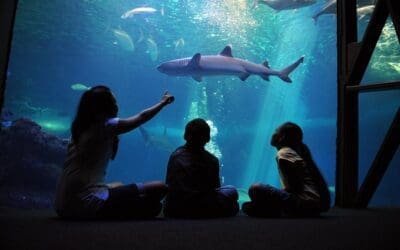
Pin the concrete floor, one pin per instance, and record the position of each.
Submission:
(339, 229)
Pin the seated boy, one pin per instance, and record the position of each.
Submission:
(193, 179)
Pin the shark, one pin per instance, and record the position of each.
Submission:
(328, 8)
(161, 142)
(365, 11)
(285, 4)
(365, 8)
(223, 64)
(138, 11)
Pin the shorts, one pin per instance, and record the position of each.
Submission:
(221, 203)
(268, 201)
(129, 201)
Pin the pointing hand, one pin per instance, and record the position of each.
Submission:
(167, 98)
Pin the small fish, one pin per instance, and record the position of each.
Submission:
(179, 43)
(141, 36)
(123, 39)
(79, 87)
(152, 49)
(138, 11)
(365, 11)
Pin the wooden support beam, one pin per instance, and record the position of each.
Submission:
(347, 119)
(373, 87)
(380, 164)
(7, 16)
(391, 142)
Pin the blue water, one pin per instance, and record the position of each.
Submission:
(60, 43)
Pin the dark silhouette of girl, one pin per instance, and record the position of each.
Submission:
(81, 191)
(304, 192)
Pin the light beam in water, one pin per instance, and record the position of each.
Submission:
(198, 109)
(231, 17)
(281, 103)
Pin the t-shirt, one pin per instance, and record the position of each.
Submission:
(302, 178)
(191, 176)
(81, 190)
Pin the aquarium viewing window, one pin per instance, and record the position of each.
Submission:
(60, 49)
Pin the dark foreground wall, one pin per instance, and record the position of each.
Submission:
(372, 229)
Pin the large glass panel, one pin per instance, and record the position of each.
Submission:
(377, 111)
(62, 48)
(387, 193)
(384, 65)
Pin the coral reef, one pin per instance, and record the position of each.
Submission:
(30, 162)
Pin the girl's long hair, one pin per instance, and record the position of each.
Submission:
(95, 107)
(305, 153)
(292, 136)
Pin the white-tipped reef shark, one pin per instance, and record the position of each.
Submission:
(365, 8)
(223, 64)
(328, 8)
(285, 4)
(161, 142)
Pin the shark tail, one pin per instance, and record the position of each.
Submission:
(284, 73)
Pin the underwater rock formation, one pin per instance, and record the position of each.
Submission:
(30, 162)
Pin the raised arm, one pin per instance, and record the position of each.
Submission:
(130, 123)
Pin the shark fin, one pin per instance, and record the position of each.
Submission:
(195, 61)
(284, 74)
(265, 77)
(255, 4)
(266, 64)
(197, 78)
(244, 76)
(227, 51)
(145, 134)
